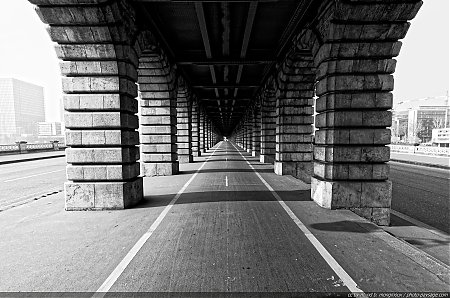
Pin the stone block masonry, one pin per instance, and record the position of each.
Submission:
(184, 126)
(99, 71)
(354, 73)
(158, 116)
(294, 106)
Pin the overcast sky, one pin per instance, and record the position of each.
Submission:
(27, 53)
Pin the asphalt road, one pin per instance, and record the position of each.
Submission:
(226, 225)
(24, 181)
(418, 191)
(422, 193)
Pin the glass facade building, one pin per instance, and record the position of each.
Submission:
(21, 108)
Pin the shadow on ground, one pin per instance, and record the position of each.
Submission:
(151, 201)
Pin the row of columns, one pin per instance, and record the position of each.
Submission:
(344, 67)
(342, 63)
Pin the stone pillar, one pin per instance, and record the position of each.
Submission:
(22, 146)
(249, 132)
(202, 131)
(294, 118)
(256, 142)
(211, 134)
(195, 124)
(207, 137)
(99, 75)
(354, 73)
(158, 116)
(268, 124)
(55, 145)
(184, 133)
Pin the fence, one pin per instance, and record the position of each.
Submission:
(23, 147)
(425, 150)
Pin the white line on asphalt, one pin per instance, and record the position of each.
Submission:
(421, 224)
(226, 180)
(112, 278)
(343, 275)
(15, 179)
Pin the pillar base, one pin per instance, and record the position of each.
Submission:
(248, 150)
(102, 195)
(185, 158)
(368, 199)
(298, 169)
(255, 153)
(160, 169)
(264, 158)
(196, 154)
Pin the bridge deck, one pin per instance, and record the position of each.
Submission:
(225, 231)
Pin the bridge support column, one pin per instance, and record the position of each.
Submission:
(294, 119)
(256, 146)
(207, 133)
(158, 116)
(249, 132)
(202, 131)
(268, 124)
(184, 128)
(354, 73)
(99, 75)
(195, 124)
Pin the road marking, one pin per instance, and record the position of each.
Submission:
(421, 224)
(112, 278)
(10, 180)
(226, 180)
(343, 275)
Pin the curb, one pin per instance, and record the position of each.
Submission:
(421, 164)
(31, 159)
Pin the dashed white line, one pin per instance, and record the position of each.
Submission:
(226, 180)
(343, 275)
(20, 178)
(112, 278)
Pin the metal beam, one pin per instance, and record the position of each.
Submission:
(225, 40)
(225, 62)
(205, 1)
(206, 43)
(214, 99)
(248, 30)
(223, 86)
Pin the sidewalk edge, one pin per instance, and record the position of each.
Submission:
(421, 163)
(31, 159)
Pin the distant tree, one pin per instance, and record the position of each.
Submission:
(419, 130)
(402, 129)
(424, 129)
(438, 123)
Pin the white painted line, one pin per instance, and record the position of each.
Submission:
(112, 278)
(226, 180)
(343, 275)
(10, 180)
(421, 224)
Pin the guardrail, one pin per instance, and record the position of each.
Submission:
(23, 147)
(425, 150)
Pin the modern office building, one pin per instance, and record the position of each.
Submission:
(49, 129)
(441, 137)
(413, 121)
(21, 108)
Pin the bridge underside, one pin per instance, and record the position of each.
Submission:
(253, 71)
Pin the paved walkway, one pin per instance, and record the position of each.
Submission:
(232, 226)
